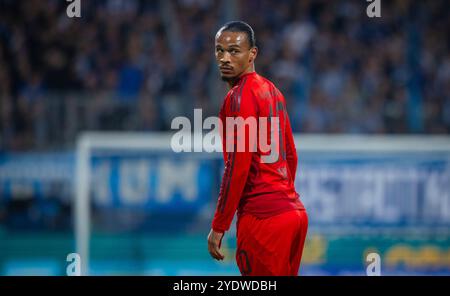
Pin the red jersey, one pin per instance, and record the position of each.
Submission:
(249, 184)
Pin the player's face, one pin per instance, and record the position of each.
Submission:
(233, 54)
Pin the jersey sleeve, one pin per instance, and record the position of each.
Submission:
(237, 162)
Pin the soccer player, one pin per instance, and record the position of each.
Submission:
(271, 220)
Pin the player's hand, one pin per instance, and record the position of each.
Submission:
(214, 243)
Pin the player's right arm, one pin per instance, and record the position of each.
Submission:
(237, 164)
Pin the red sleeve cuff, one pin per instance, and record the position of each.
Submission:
(218, 229)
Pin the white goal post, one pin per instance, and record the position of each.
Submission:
(155, 141)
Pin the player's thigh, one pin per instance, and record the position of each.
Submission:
(252, 254)
(298, 242)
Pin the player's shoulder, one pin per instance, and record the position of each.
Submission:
(251, 82)
(261, 87)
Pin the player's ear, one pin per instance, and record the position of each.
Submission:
(253, 54)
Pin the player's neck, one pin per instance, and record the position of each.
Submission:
(233, 82)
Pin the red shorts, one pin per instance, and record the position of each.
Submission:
(271, 246)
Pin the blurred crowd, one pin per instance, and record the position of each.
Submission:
(134, 65)
(343, 72)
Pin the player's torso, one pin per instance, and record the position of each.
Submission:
(269, 171)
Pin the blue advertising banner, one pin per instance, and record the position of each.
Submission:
(36, 175)
(365, 189)
(375, 189)
(154, 182)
